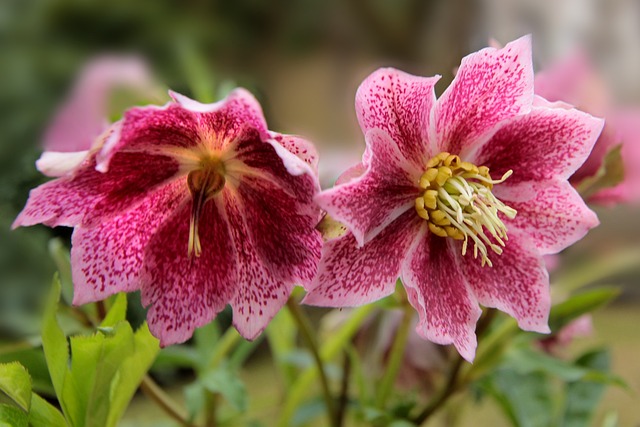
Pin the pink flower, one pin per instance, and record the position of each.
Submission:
(574, 81)
(443, 180)
(195, 205)
(85, 115)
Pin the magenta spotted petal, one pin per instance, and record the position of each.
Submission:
(196, 205)
(460, 197)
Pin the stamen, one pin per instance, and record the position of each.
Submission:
(457, 202)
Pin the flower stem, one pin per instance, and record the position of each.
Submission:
(307, 334)
(396, 356)
(211, 411)
(344, 391)
(330, 349)
(453, 383)
(155, 393)
(230, 338)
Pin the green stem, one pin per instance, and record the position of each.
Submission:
(155, 393)
(396, 356)
(453, 382)
(211, 419)
(330, 349)
(343, 401)
(230, 338)
(306, 331)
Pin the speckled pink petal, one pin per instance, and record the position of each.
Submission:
(89, 197)
(298, 146)
(401, 105)
(369, 203)
(517, 284)
(107, 258)
(282, 228)
(279, 211)
(260, 291)
(546, 144)
(554, 219)
(436, 288)
(491, 85)
(186, 123)
(349, 275)
(184, 293)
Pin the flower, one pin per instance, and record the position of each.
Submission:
(85, 115)
(460, 196)
(574, 81)
(197, 205)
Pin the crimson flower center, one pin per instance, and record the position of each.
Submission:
(204, 183)
(457, 202)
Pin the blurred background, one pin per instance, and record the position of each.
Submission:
(304, 60)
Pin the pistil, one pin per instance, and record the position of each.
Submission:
(204, 183)
(457, 202)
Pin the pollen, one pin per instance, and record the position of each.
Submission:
(457, 202)
(204, 183)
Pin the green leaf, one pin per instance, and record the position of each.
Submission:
(610, 174)
(206, 339)
(194, 397)
(526, 399)
(117, 312)
(225, 381)
(582, 303)
(43, 414)
(526, 361)
(281, 334)
(54, 343)
(11, 416)
(132, 371)
(582, 397)
(15, 382)
(60, 255)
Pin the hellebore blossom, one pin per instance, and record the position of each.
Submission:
(84, 117)
(460, 196)
(196, 205)
(574, 81)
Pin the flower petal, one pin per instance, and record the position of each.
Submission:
(186, 123)
(350, 275)
(554, 219)
(184, 293)
(491, 85)
(107, 258)
(260, 290)
(436, 288)
(547, 144)
(282, 228)
(298, 146)
(401, 105)
(369, 203)
(517, 284)
(57, 164)
(89, 197)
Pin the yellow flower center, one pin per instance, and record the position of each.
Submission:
(457, 202)
(204, 183)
